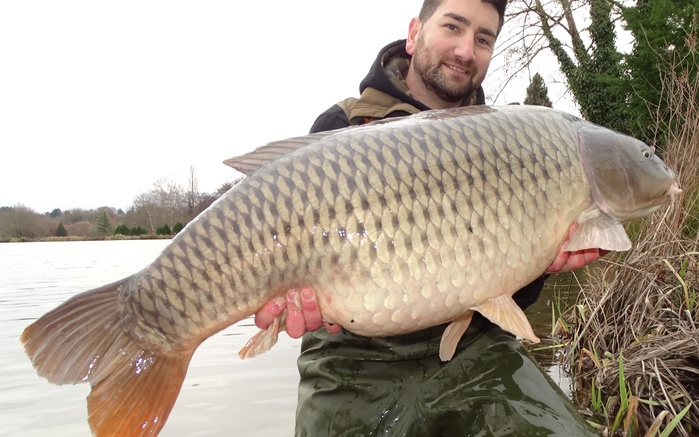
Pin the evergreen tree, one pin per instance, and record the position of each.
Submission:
(177, 228)
(164, 230)
(61, 230)
(104, 226)
(537, 92)
(122, 230)
(138, 230)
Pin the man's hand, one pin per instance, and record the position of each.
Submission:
(302, 313)
(569, 261)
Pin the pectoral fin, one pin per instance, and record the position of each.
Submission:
(452, 335)
(504, 312)
(598, 230)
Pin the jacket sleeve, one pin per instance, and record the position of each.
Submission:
(333, 118)
(530, 293)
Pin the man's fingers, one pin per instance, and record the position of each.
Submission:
(569, 261)
(302, 313)
(579, 259)
(270, 311)
(332, 328)
(558, 263)
(311, 312)
(587, 256)
(295, 323)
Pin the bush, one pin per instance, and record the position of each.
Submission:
(122, 230)
(138, 230)
(164, 230)
(61, 230)
(177, 228)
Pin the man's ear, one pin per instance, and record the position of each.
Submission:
(413, 30)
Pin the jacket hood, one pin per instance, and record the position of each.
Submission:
(395, 55)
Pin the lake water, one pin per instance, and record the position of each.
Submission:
(221, 394)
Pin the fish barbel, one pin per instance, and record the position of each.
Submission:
(397, 225)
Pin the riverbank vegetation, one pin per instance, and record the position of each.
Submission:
(633, 336)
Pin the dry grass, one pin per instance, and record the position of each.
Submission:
(638, 313)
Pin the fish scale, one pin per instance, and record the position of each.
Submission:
(397, 225)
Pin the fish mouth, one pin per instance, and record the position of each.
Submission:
(673, 192)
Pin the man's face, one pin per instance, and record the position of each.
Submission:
(451, 51)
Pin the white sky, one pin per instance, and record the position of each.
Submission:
(98, 99)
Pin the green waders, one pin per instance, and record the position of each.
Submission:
(397, 386)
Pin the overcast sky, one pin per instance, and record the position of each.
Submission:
(98, 100)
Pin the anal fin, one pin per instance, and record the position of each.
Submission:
(264, 339)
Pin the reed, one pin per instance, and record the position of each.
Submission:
(634, 332)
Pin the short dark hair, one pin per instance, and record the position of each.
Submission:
(429, 6)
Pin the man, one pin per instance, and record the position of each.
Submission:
(397, 386)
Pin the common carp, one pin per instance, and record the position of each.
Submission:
(397, 225)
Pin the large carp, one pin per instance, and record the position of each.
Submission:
(397, 225)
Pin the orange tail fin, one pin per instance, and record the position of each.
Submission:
(133, 390)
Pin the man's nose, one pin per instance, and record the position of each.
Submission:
(464, 49)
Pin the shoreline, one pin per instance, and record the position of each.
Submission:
(89, 238)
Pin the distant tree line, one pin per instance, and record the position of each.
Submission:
(163, 210)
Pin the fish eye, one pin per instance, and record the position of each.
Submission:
(647, 153)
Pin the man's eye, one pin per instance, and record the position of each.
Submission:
(451, 27)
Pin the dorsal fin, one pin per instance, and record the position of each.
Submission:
(252, 161)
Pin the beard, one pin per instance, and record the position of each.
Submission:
(436, 81)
